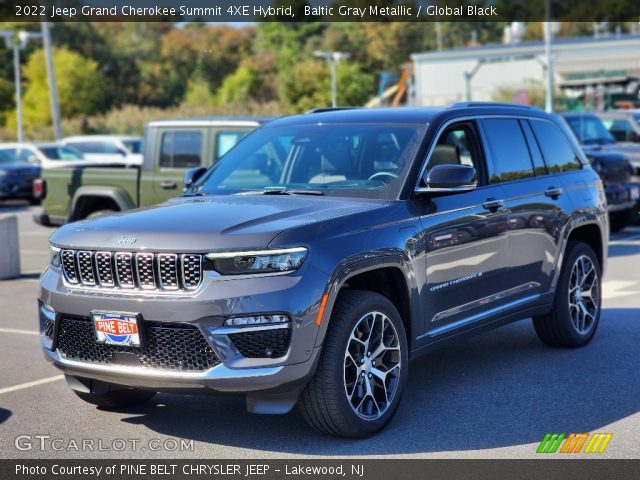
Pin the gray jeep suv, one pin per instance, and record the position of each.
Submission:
(324, 252)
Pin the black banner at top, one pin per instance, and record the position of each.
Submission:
(319, 10)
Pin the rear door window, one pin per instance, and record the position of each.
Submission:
(181, 149)
(556, 149)
(510, 155)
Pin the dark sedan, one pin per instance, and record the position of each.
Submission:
(16, 177)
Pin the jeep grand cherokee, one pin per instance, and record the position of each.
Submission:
(326, 250)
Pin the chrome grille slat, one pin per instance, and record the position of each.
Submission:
(69, 266)
(191, 268)
(168, 271)
(86, 268)
(144, 270)
(105, 269)
(124, 270)
(159, 272)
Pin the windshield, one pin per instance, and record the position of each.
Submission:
(590, 130)
(61, 153)
(364, 160)
(134, 146)
(14, 155)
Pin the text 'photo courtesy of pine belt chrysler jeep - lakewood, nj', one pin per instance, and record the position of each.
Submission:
(325, 251)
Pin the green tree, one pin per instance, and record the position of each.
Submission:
(240, 86)
(307, 85)
(79, 87)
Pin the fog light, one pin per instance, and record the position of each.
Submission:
(256, 320)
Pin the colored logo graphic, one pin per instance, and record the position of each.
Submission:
(574, 443)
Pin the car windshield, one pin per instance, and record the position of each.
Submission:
(134, 146)
(11, 155)
(362, 160)
(61, 153)
(590, 130)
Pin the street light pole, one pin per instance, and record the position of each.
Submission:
(17, 41)
(332, 58)
(51, 75)
(16, 72)
(548, 37)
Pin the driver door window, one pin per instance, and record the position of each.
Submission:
(457, 145)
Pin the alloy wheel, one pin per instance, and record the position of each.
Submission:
(584, 295)
(372, 364)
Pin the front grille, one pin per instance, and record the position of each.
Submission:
(126, 270)
(167, 346)
(48, 327)
(262, 343)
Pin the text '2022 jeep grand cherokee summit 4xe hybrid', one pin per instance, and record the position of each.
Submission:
(326, 250)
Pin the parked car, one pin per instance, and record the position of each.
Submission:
(171, 148)
(612, 165)
(47, 155)
(624, 127)
(108, 148)
(17, 175)
(326, 250)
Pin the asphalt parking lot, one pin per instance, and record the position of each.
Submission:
(494, 396)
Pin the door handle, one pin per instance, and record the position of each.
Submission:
(169, 185)
(553, 192)
(492, 204)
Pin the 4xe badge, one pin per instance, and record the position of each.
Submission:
(116, 328)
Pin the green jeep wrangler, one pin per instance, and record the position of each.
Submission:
(171, 147)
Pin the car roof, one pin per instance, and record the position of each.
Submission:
(579, 115)
(408, 115)
(100, 137)
(231, 120)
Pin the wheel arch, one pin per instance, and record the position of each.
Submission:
(89, 199)
(387, 275)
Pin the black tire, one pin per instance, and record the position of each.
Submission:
(558, 328)
(117, 399)
(324, 403)
(620, 220)
(101, 213)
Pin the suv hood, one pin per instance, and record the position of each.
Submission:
(203, 224)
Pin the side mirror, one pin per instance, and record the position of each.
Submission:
(192, 175)
(449, 178)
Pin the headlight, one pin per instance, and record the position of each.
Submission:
(259, 261)
(54, 259)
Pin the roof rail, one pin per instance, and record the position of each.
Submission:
(329, 109)
(489, 104)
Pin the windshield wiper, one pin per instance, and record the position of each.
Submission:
(286, 191)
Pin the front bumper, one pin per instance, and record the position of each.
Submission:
(296, 295)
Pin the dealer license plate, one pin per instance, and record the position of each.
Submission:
(116, 328)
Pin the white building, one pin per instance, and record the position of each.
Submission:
(445, 76)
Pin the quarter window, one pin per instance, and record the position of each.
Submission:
(181, 150)
(556, 149)
(509, 150)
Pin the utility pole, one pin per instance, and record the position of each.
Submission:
(332, 58)
(17, 41)
(548, 37)
(51, 76)
(16, 75)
